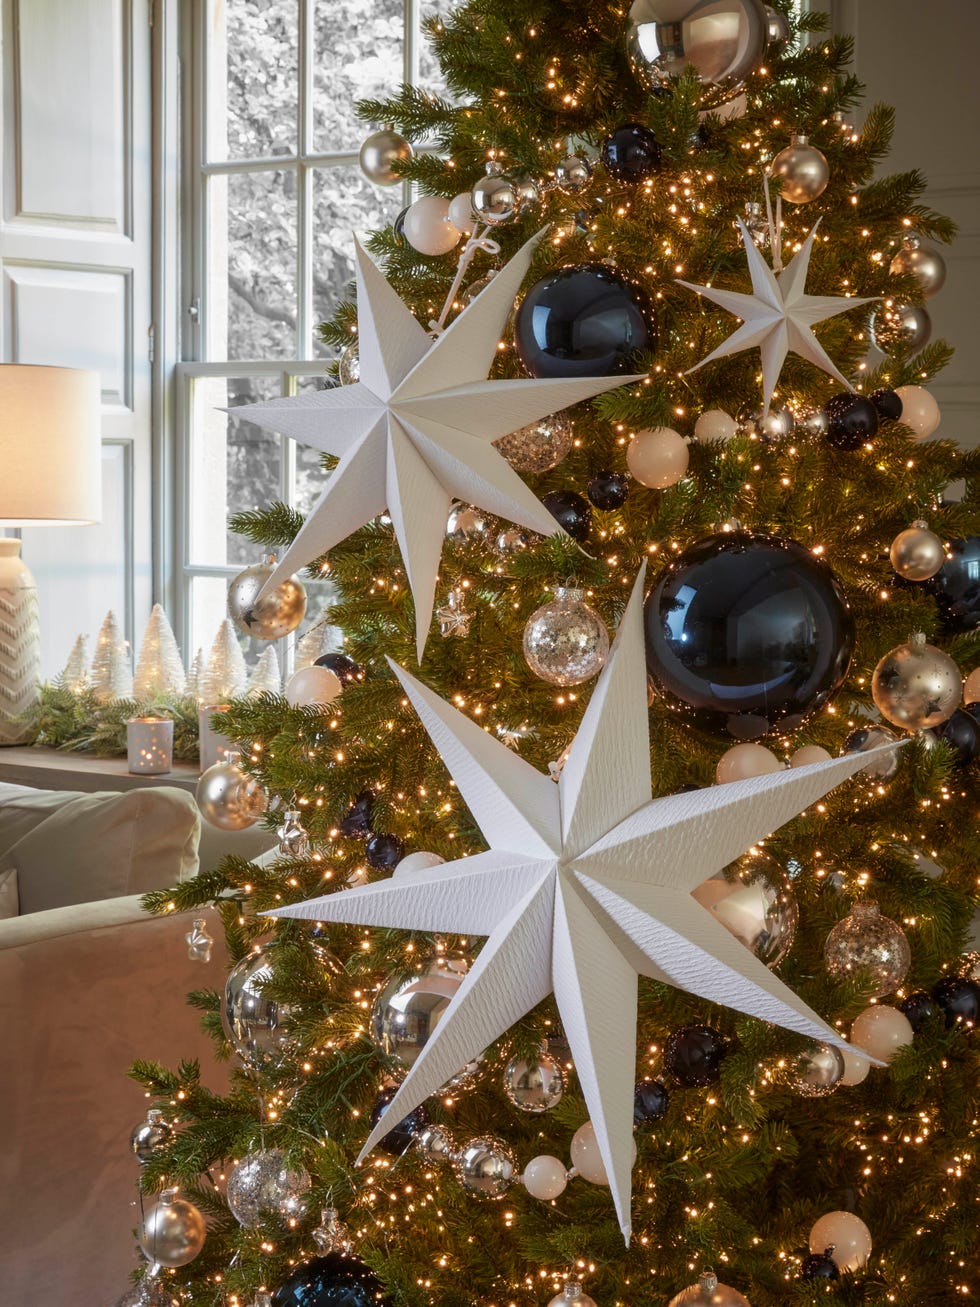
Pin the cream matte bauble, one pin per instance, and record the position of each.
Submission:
(801, 171)
(420, 861)
(742, 761)
(919, 410)
(461, 213)
(313, 687)
(427, 226)
(715, 424)
(657, 457)
(545, 1177)
(856, 1068)
(709, 1292)
(881, 1031)
(847, 1234)
(808, 754)
(971, 687)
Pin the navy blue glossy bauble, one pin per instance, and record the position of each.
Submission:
(888, 403)
(608, 490)
(650, 1101)
(571, 512)
(748, 634)
(586, 320)
(959, 998)
(957, 585)
(819, 1266)
(962, 733)
(357, 822)
(918, 1007)
(631, 153)
(402, 1133)
(384, 852)
(851, 420)
(342, 666)
(330, 1281)
(694, 1055)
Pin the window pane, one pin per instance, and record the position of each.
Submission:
(344, 202)
(252, 78)
(252, 266)
(357, 53)
(209, 600)
(234, 466)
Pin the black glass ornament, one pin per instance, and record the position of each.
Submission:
(747, 634)
(694, 1054)
(401, 1135)
(586, 320)
(384, 852)
(959, 998)
(342, 666)
(918, 1007)
(962, 733)
(330, 1281)
(571, 511)
(650, 1100)
(631, 153)
(888, 403)
(608, 490)
(851, 420)
(398, 227)
(957, 585)
(357, 823)
(819, 1266)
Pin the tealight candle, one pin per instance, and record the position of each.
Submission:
(149, 745)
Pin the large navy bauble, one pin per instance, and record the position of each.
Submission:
(694, 1055)
(957, 585)
(631, 153)
(331, 1281)
(402, 1134)
(748, 634)
(583, 321)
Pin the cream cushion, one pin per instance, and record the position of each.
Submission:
(9, 898)
(72, 848)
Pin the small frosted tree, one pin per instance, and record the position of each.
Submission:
(266, 677)
(74, 675)
(159, 669)
(112, 667)
(225, 674)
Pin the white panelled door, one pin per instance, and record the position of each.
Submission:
(75, 252)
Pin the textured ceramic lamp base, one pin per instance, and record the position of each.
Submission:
(20, 646)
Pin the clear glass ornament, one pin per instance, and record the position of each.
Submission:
(349, 365)
(486, 1167)
(331, 1235)
(534, 1086)
(540, 446)
(870, 945)
(566, 641)
(754, 900)
(756, 223)
(150, 1136)
(293, 839)
(817, 1071)
(199, 942)
(262, 1187)
(898, 327)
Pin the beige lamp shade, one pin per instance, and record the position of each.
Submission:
(50, 459)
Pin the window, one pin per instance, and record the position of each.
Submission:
(274, 194)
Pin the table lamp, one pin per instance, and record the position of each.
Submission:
(50, 475)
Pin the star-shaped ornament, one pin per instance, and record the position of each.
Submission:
(586, 885)
(416, 430)
(453, 618)
(778, 315)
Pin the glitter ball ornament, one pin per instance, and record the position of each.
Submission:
(916, 686)
(565, 641)
(228, 798)
(709, 1292)
(959, 999)
(258, 1026)
(921, 261)
(534, 1086)
(608, 490)
(693, 1055)
(403, 1133)
(545, 1177)
(919, 410)
(866, 738)
(917, 553)
(846, 1235)
(898, 327)
(342, 665)
(379, 151)
(801, 171)
(724, 41)
(276, 613)
(811, 421)
(657, 457)
(335, 1280)
(494, 198)
(631, 153)
(486, 1167)
(870, 946)
(571, 512)
(540, 446)
(851, 420)
(650, 1101)
(262, 1187)
(754, 900)
(349, 365)
(881, 1031)
(151, 1136)
(572, 1295)
(817, 1071)
(172, 1232)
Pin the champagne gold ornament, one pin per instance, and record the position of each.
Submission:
(802, 171)
(917, 553)
(922, 262)
(276, 613)
(898, 327)
(228, 798)
(379, 151)
(916, 686)
(572, 1295)
(709, 1292)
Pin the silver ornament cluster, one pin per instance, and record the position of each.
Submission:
(540, 446)
(273, 616)
(264, 1187)
(566, 642)
(868, 945)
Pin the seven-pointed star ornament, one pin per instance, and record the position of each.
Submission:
(415, 431)
(778, 315)
(586, 886)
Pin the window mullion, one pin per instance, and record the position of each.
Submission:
(304, 180)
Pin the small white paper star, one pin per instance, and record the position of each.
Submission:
(778, 315)
(417, 430)
(586, 886)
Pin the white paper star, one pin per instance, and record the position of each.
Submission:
(586, 886)
(416, 431)
(778, 315)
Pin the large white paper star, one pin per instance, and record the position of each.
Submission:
(778, 315)
(586, 886)
(416, 431)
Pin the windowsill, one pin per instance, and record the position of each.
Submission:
(58, 769)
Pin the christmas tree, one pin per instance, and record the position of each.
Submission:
(159, 670)
(776, 834)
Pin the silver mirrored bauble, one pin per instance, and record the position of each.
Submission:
(867, 944)
(566, 641)
(709, 1292)
(494, 198)
(467, 524)
(150, 1136)
(485, 1167)
(512, 541)
(778, 31)
(540, 446)
(148, 1293)
(776, 424)
(379, 151)
(573, 174)
(917, 553)
(258, 1027)
(866, 738)
(275, 614)
(262, 1187)
(436, 1142)
(898, 327)
(172, 1232)
(408, 1009)
(228, 798)
(817, 1071)
(916, 686)
(812, 421)
(349, 365)
(922, 262)
(723, 40)
(534, 1086)
(526, 189)
(801, 170)
(754, 900)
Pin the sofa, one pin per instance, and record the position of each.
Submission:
(88, 983)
